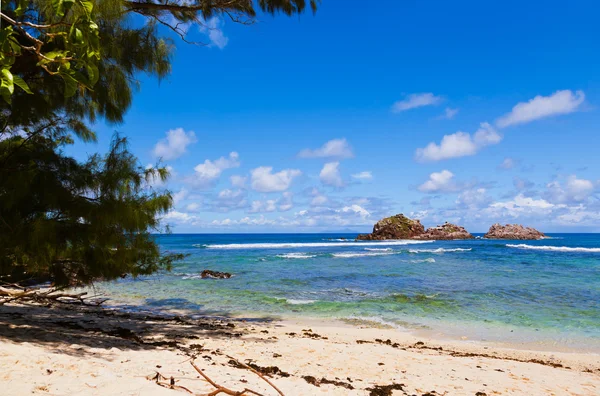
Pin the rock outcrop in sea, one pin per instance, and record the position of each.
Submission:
(214, 274)
(401, 227)
(513, 231)
(447, 231)
(394, 227)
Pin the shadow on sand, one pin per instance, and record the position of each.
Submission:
(69, 329)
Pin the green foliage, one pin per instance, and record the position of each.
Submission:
(75, 222)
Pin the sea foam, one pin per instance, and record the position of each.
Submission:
(360, 254)
(299, 302)
(439, 250)
(296, 256)
(285, 245)
(555, 248)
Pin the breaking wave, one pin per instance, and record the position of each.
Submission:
(555, 248)
(439, 250)
(361, 254)
(285, 245)
(299, 302)
(296, 256)
(428, 260)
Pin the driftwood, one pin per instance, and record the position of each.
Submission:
(257, 373)
(15, 293)
(169, 383)
(222, 389)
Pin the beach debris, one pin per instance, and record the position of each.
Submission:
(13, 292)
(214, 274)
(385, 390)
(270, 370)
(161, 380)
(318, 382)
(310, 334)
(222, 389)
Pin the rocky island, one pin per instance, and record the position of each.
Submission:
(513, 231)
(394, 227)
(447, 231)
(401, 227)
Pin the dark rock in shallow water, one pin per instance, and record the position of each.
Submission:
(395, 227)
(215, 274)
(447, 231)
(513, 231)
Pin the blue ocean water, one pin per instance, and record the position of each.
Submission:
(530, 291)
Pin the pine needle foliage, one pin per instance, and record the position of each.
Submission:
(73, 223)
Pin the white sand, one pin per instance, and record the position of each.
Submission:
(45, 351)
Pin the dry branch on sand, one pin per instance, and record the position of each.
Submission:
(170, 383)
(12, 293)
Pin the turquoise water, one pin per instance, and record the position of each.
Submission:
(546, 290)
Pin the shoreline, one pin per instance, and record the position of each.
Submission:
(445, 331)
(83, 350)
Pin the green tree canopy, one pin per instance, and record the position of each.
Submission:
(65, 64)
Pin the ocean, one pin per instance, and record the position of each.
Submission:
(544, 293)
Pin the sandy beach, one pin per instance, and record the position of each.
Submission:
(87, 351)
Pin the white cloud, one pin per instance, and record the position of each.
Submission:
(230, 200)
(574, 190)
(459, 144)
(180, 196)
(174, 145)
(357, 209)
(336, 148)
(330, 175)
(246, 221)
(450, 113)
(522, 184)
(521, 205)
(439, 182)
(209, 171)
(560, 102)
(365, 175)
(238, 181)
(473, 198)
(264, 180)
(179, 218)
(319, 200)
(413, 101)
(212, 28)
(508, 163)
(283, 204)
(286, 202)
(263, 206)
(193, 207)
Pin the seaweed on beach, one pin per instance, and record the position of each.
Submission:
(270, 370)
(385, 390)
(317, 382)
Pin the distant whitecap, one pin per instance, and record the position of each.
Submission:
(555, 248)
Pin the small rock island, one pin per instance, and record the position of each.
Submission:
(447, 231)
(401, 227)
(513, 231)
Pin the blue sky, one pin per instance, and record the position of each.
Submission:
(471, 112)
